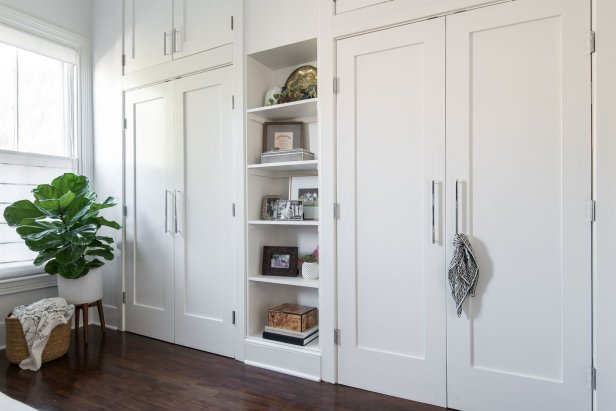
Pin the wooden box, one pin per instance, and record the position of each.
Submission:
(293, 317)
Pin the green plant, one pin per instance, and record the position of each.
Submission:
(62, 224)
(309, 258)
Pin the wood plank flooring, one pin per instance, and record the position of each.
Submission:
(123, 371)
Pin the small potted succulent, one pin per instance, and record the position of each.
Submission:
(310, 266)
(61, 225)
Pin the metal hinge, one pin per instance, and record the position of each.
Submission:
(233, 317)
(124, 297)
(593, 378)
(591, 42)
(336, 336)
(336, 211)
(233, 209)
(232, 102)
(125, 124)
(123, 60)
(593, 211)
(231, 22)
(125, 210)
(335, 88)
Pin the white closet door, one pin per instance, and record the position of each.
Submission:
(149, 199)
(391, 287)
(204, 259)
(147, 33)
(201, 25)
(519, 142)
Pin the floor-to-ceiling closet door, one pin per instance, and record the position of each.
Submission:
(519, 144)
(204, 276)
(391, 166)
(149, 202)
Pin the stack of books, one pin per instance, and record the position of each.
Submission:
(292, 324)
(291, 337)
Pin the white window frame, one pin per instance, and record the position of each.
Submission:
(32, 278)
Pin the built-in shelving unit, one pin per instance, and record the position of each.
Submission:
(264, 70)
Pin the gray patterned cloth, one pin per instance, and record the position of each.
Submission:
(463, 271)
(38, 320)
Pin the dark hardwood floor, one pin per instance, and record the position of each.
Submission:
(127, 371)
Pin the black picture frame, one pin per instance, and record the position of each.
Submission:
(295, 128)
(280, 261)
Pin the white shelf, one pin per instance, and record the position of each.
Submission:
(312, 347)
(309, 223)
(307, 165)
(287, 111)
(293, 281)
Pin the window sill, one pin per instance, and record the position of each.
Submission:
(27, 283)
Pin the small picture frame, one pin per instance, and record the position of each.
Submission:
(306, 189)
(281, 261)
(290, 210)
(282, 136)
(269, 208)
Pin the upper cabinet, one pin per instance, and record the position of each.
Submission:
(358, 16)
(157, 31)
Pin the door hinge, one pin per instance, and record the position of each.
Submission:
(231, 22)
(232, 102)
(233, 209)
(123, 60)
(233, 317)
(335, 86)
(593, 211)
(125, 211)
(336, 336)
(592, 47)
(336, 211)
(125, 124)
(593, 378)
(124, 297)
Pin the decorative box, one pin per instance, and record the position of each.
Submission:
(279, 156)
(293, 317)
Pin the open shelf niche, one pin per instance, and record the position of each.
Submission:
(264, 70)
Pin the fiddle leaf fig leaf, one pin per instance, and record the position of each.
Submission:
(70, 253)
(73, 270)
(45, 256)
(81, 235)
(51, 267)
(20, 211)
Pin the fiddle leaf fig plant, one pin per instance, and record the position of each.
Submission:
(62, 224)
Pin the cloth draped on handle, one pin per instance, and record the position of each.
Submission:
(38, 320)
(463, 271)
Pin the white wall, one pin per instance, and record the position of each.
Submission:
(72, 15)
(605, 194)
(108, 143)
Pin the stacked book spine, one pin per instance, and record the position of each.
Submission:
(291, 337)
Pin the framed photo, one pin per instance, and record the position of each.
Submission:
(282, 136)
(270, 206)
(279, 261)
(290, 210)
(306, 190)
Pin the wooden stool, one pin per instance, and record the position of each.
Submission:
(84, 308)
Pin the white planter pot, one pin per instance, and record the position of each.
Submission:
(86, 289)
(310, 271)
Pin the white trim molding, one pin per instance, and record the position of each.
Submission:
(29, 283)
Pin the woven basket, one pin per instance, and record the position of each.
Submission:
(17, 348)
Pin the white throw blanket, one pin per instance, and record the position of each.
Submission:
(38, 320)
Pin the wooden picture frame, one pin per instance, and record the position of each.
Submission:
(269, 207)
(283, 135)
(280, 261)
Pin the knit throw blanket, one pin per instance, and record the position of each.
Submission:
(463, 271)
(38, 320)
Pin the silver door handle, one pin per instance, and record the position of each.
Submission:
(175, 211)
(175, 40)
(166, 211)
(165, 35)
(457, 207)
(433, 214)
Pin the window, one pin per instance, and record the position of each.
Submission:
(40, 133)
